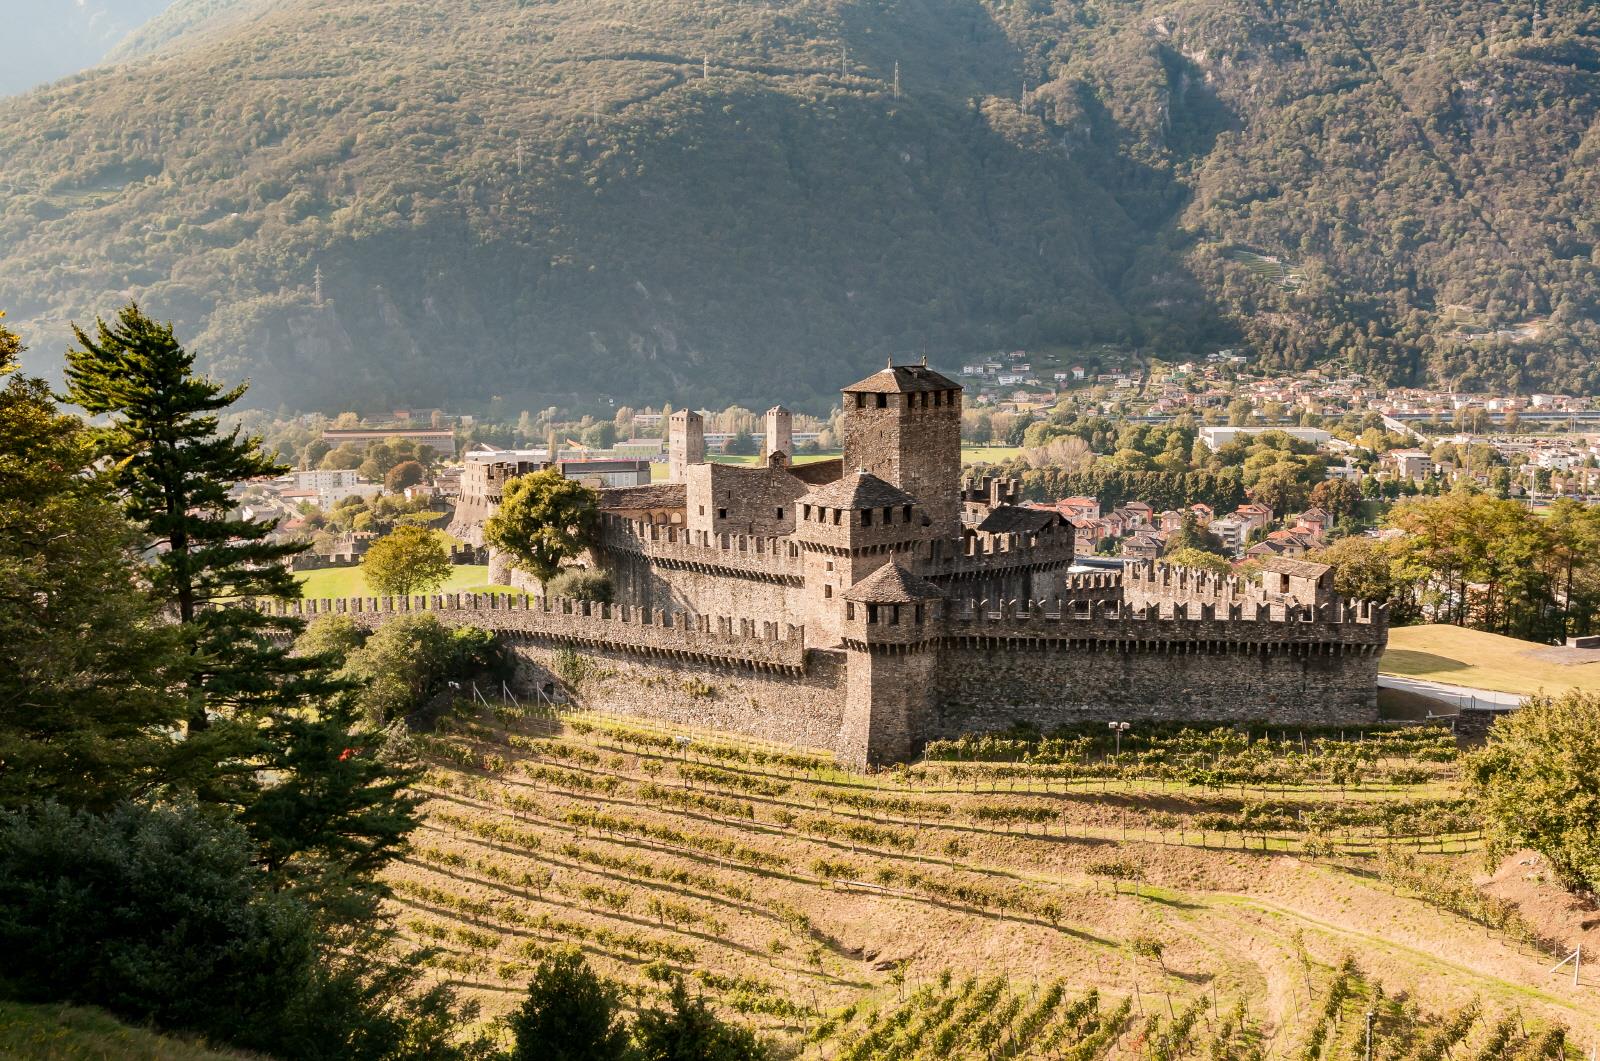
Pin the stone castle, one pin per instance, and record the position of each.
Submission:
(870, 603)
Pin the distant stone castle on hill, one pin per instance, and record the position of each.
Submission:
(870, 603)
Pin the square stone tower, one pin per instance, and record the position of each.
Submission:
(778, 438)
(903, 425)
(686, 443)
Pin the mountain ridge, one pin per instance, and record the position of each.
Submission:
(730, 201)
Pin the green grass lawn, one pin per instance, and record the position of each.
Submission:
(989, 454)
(1483, 661)
(75, 1033)
(349, 582)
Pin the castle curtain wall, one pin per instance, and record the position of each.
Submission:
(804, 709)
(984, 686)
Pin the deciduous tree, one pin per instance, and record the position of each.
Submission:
(408, 560)
(1537, 783)
(544, 519)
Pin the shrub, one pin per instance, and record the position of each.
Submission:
(570, 1014)
(581, 583)
(1537, 783)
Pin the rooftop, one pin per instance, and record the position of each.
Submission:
(904, 379)
(1298, 568)
(1015, 519)
(858, 490)
(653, 495)
(892, 584)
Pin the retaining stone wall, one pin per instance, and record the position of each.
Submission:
(802, 709)
(984, 686)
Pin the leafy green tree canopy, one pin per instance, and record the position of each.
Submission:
(1537, 783)
(544, 519)
(408, 560)
(687, 1030)
(569, 1014)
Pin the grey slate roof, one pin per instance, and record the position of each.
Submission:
(857, 490)
(904, 379)
(892, 584)
(1015, 519)
(651, 495)
(1300, 568)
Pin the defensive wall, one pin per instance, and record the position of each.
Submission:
(906, 673)
(670, 567)
(673, 567)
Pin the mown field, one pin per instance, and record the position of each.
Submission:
(350, 582)
(1476, 659)
(1219, 895)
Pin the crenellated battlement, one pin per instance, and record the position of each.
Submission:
(990, 554)
(1155, 579)
(752, 643)
(1360, 621)
(768, 559)
(991, 490)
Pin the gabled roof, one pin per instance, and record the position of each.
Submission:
(1015, 519)
(892, 584)
(903, 379)
(857, 490)
(652, 495)
(818, 472)
(1299, 568)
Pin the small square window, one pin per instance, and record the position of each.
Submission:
(883, 401)
(830, 565)
(866, 517)
(722, 513)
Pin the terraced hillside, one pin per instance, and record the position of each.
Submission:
(1200, 894)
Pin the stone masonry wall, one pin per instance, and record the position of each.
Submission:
(638, 578)
(984, 686)
(803, 709)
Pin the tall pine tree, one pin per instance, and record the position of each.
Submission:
(86, 708)
(174, 470)
(324, 809)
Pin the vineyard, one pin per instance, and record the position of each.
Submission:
(1187, 893)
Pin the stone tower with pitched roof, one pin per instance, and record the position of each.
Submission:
(903, 425)
(846, 530)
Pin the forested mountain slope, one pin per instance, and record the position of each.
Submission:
(740, 200)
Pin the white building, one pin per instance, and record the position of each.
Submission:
(1215, 437)
(331, 485)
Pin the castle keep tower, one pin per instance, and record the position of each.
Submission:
(903, 425)
(778, 441)
(686, 443)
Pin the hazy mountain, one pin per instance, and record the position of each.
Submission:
(735, 200)
(49, 39)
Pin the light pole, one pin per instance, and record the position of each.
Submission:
(1119, 728)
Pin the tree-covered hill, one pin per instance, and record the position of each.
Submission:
(741, 199)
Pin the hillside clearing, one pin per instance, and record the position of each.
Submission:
(76, 1033)
(1479, 660)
